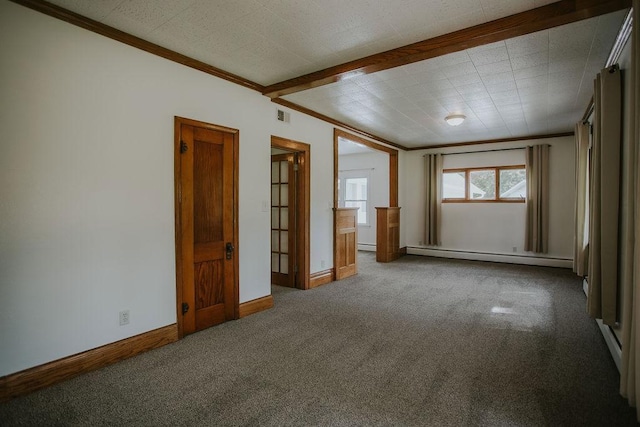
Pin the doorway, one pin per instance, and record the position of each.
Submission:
(206, 206)
(367, 179)
(290, 205)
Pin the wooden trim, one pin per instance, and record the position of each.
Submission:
(492, 141)
(51, 373)
(467, 179)
(303, 213)
(542, 18)
(178, 122)
(393, 164)
(323, 277)
(115, 34)
(335, 122)
(255, 306)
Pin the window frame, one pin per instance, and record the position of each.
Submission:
(343, 176)
(497, 198)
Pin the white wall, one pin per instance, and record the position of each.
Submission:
(495, 228)
(377, 164)
(87, 195)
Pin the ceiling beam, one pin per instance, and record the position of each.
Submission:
(542, 18)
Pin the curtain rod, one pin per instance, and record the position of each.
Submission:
(483, 151)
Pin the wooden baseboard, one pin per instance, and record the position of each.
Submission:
(402, 251)
(322, 278)
(51, 373)
(255, 306)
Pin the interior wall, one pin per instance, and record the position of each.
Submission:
(87, 206)
(377, 164)
(495, 228)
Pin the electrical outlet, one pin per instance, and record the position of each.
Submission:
(124, 317)
(322, 264)
(420, 243)
(515, 249)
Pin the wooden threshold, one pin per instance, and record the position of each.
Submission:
(323, 277)
(115, 34)
(51, 373)
(542, 18)
(256, 306)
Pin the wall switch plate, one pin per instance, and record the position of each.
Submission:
(124, 317)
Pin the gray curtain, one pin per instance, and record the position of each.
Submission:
(433, 168)
(536, 238)
(630, 245)
(604, 211)
(582, 164)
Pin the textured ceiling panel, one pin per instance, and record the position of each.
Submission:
(533, 84)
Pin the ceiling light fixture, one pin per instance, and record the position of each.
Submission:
(455, 119)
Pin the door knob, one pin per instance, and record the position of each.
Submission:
(229, 248)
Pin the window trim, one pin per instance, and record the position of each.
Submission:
(497, 199)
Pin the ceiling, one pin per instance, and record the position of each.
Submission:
(539, 83)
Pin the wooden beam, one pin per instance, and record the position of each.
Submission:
(493, 141)
(335, 122)
(115, 34)
(542, 18)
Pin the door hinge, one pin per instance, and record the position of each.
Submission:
(183, 147)
(185, 307)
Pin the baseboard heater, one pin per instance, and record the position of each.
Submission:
(609, 336)
(491, 257)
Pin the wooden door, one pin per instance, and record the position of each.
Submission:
(206, 172)
(283, 220)
(346, 242)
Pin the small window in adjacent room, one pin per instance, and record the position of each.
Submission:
(353, 192)
(487, 184)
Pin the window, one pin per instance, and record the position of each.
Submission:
(488, 184)
(353, 192)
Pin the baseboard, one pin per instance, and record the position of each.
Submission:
(492, 257)
(322, 278)
(255, 306)
(51, 373)
(402, 251)
(368, 247)
(608, 335)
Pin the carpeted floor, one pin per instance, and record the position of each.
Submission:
(417, 342)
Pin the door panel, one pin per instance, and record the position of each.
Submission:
(207, 211)
(346, 241)
(283, 243)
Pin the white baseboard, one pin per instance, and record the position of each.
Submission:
(366, 247)
(607, 333)
(493, 257)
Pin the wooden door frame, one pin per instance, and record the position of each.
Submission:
(393, 164)
(303, 196)
(178, 122)
(393, 173)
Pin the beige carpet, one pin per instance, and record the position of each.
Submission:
(417, 342)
